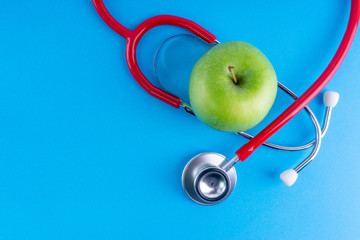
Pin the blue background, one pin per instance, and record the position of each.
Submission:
(86, 153)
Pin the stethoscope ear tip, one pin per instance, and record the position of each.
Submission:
(289, 177)
(331, 98)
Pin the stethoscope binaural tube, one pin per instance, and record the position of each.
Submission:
(307, 108)
(290, 176)
(317, 141)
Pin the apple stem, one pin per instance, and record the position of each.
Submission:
(232, 74)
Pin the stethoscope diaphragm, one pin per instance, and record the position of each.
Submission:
(204, 180)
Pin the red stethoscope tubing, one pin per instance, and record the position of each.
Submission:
(133, 37)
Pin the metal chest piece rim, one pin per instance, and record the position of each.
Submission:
(204, 180)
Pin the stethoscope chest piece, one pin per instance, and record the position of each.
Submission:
(204, 180)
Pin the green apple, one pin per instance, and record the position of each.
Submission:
(232, 86)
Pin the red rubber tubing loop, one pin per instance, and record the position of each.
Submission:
(133, 37)
(246, 150)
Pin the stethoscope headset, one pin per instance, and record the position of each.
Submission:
(209, 178)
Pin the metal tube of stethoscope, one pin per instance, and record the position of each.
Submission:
(303, 164)
(316, 148)
(295, 148)
(317, 140)
(227, 166)
(290, 176)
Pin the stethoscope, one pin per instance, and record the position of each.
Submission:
(209, 178)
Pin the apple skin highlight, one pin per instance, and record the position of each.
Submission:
(225, 104)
